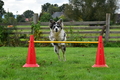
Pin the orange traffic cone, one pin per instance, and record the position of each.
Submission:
(100, 58)
(31, 57)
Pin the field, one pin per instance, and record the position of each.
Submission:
(77, 66)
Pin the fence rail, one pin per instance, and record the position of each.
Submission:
(65, 23)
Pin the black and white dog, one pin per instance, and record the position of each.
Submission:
(58, 34)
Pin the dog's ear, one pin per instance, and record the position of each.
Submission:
(60, 21)
(51, 21)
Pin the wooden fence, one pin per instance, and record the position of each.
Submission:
(88, 30)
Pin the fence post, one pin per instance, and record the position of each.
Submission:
(35, 20)
(107, 27)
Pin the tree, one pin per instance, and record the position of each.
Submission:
(64, 18)
(53, 9)
(62, 7)
(8, 14)
(45, 7)
(20, 18)
(50, 8)
(91, 10)
(69, 11)
(45, 17)
(28, 13)
(2, 11)
(9, 18)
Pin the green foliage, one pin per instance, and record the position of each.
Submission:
(9, 19)
(8, 14)
(28, 13)
(45, 17)
(56, 19)
(62, 7)
(4, 36)
(2, 11)
(69, 11)
(63, 17)
(20, 18)
(91, 10)
(76, 37)
(45, 7)
(53, 9)
(7, 38)
(50, 8)
(38, 34)
(35, 30)
(112, 44)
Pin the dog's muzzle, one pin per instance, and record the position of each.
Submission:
(56, 30)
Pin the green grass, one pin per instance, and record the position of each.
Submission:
(77, 66)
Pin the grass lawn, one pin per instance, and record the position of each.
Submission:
(77, 66)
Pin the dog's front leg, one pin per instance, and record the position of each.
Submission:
(52, 39)
(63, 50)
(56, 49)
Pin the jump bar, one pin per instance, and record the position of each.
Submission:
(65, 42)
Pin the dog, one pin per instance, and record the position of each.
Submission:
(58, 34)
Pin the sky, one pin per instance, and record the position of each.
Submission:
(20, 6)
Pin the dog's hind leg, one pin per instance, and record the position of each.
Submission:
(63, 48)
(56, 49)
